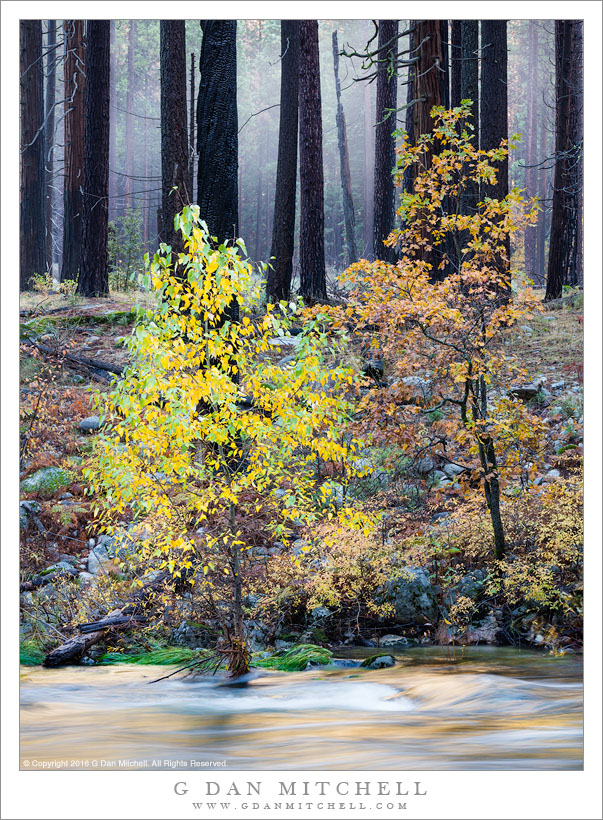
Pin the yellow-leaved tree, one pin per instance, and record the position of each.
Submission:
(209, 430)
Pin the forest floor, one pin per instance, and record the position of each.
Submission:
(58, 529)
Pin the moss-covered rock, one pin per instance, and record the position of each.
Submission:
(47, 481)
(378, 662)
(296, 658)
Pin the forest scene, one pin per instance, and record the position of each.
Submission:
(301, 392)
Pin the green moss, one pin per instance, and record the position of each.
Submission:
(296, 658)
(47, 481)
(30, 654)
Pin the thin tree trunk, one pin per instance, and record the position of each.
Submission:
(94, 273)
(49, 139)
(258, 202)
(531, 231)
(146, 205)
(174, 130)
(191, 133)
(278, 284)
(369, 169)
(344, 165)
(32, 244)
(385, 154)
(75, 129)
(130, 105)
(456, 63)
(470, 70)
(313, 285)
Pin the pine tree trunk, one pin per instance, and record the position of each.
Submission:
(369, 170)
(278, 284)
(561, 219)
(49, 139)
(493, 114)
(174, 129)
(191, 127)
(32, 244)
(531, 231)
(385, 144)
(75, 129)
(469, 70)
(94, 273)
(344, 165)
(258, 202)
(217, 140)
(313, 285)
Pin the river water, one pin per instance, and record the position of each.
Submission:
(475, 709)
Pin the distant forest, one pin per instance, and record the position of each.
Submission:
(116, 113)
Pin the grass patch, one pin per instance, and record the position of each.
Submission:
(30, 654)
(169, 656)
(296, 658)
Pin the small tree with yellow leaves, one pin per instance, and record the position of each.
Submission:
(209, 432)
(445, 343)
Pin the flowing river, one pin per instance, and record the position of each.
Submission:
(470, 709)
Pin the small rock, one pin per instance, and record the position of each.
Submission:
(393, 640)
(526, 329)
(379, 662)
(319, 613)
(452, 470)
(558, 385)
(86, 577)
(525, 392)
(539, 639)
(552, 474)
(89, 424)
(91, 543)
(425, 465)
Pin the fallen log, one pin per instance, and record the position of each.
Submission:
(124, 617)
(40, 580)
(92, 364)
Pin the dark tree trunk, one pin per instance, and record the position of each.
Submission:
(174, 129)
(444, 73)
(130, 105)
(577, 141)
(191, 134)
(385, 144)
(113, 178)
(409, 173)
(542, 190)
(456, 63)
(470, 91)
(313, 285)
(493, 113)
(49, 140)
(217, 140)
(146, 203)
(369, 169)
(278, 284)
(94, 273)
(531, 184)
(258, 203)
(562, 222)
(344, 165)
(32, 244)
(75, 118)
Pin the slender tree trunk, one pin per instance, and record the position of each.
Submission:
(385, 144)
(369, 170)
(258, 202)
(313, 285)
(32, 244)
(75, 129)
(456, 63)
(145, 222)
(278, 283)
(94, 273)
(531, 231)
(49, 139)
(217, 140)
(470, 70)
(344, 164)
(409, 172)
(191, 132)
(542, 216)
(493, 114)
(130, 105)
(174, 129)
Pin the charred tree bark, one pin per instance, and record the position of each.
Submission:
(75, 129)
(385, 144)
(470, 91)
(113, 134)
(369, 169)
(174, 129)
(493, 115)
(217, 139)
(49, 140)
(313, 285)
(94, 272)
(344, 165)
(191, 127)
(32, 240)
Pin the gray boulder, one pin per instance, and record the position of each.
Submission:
(28, 514)
(379, 662)
(47, 481)
(89, 425)
(393, 640)
(412, 596)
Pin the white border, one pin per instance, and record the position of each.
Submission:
(451, 794)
